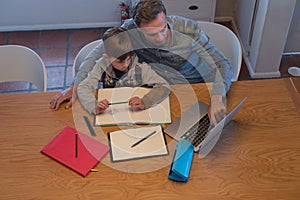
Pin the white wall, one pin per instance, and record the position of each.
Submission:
(293, 40)
(57, 14)
(270, 29)
(18, 15)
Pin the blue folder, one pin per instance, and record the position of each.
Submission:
(182, 160)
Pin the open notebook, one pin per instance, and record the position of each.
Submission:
(119, 113)
(137, 143)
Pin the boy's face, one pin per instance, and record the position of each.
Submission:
(121, 65)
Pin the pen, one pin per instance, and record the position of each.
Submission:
(76, 145)
(143, 139)
(114, 103)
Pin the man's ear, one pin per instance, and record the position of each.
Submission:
(106, 57)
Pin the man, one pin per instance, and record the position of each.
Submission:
(176, 49)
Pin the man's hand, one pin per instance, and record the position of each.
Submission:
(136, 103)
(217, 109)
(66, 95)
(101, 106)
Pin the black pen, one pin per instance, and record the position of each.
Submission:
(144, 138)
(114, 103)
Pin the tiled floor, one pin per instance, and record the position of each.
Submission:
(58, 49)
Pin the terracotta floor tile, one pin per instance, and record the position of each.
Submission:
(297, 57)
(53, 57)
(3, 38)
(26, 38)
(15, 85)
(56, 77)
(244, 72)
(288, 61)
(54, 38)
(73, 51)
(81, 37)
(102, 31)
(69, 76)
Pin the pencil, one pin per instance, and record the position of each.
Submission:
(143, 139)
(114, 103)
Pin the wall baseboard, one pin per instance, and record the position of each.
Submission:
(255, 75)
(40, 27)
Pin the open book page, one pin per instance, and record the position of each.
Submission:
(121, 143)
(119, 114)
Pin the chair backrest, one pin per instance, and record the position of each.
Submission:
(84, 51)
(20, 63)
(227, 42)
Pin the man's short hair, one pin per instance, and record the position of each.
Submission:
(117, 43)
(145, 11)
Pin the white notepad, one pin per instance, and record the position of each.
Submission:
(121, 114)
(121, 141)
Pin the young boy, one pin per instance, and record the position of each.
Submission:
(119, 67)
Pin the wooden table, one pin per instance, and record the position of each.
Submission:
(293, 86)
(257, 156)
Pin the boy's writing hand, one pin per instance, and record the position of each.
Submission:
(101, 106)
(136, 103)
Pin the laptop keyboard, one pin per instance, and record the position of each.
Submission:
(197, 133)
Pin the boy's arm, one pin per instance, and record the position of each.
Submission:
(88, 64)
(86, 89)
(69, 94)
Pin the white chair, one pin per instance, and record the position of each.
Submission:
(84, 51)
(227, 42)
(20, 63)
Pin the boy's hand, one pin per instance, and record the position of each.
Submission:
(136, 103)
(101, 106)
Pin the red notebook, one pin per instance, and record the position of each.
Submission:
(75, 150)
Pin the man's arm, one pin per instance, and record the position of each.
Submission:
(220, 66)
(63, 96)
(160, 90)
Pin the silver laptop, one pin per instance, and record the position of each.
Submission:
(194, 125)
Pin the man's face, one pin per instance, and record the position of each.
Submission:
(156, 31)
